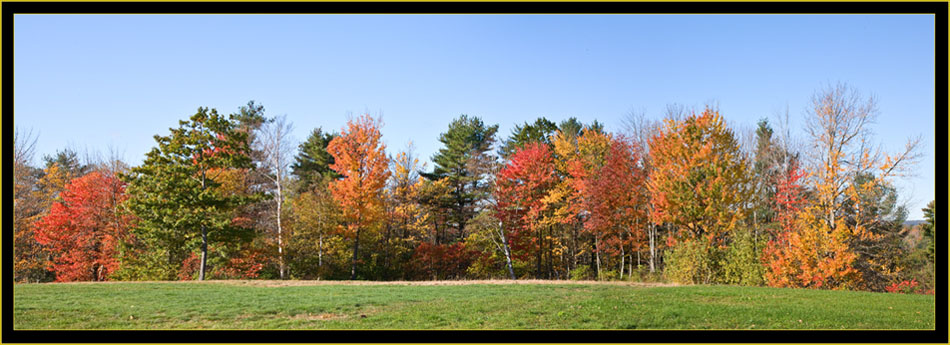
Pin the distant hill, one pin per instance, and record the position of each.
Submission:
(913, 222)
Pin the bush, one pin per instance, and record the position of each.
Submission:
(488, 266)
(910, 286)
(609, 275)
(581, 273)
(691, 262)
(741, 263)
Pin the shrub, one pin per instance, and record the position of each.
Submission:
(581, 273)
(691, 262)
(908, 286)
(608, 275)
(741, 263)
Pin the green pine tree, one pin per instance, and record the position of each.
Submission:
(312, 164)
(538, 132)
(467, 141)
(175, 197)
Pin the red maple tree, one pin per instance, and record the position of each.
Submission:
(84, 229)
(614, 194)
(522, 186)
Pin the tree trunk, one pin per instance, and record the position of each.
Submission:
(597, 253)
(204, 252)
(356, 249)
(204, 238)
(593, 261)
(540, 248)
(551, 257)
(652, 232)
(622, 257)
(573, 249)
(504, 242)
(320, 256)
(280, 239)
(630, 271)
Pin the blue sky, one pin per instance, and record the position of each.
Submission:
(92, 81)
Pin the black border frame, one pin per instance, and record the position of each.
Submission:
(9, 9)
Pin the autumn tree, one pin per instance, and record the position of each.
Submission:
(521, 187)
(38, 190)
(840, 220)
(176, 198)
(566, 198)
(641, 129)
(85, 228)
(699, 185)
(31, 259)
(615, 200)
(314, 245)
(466, 137)
(408, 220)
(782, 262)
(360, 157)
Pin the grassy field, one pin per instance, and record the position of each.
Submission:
(302, 305)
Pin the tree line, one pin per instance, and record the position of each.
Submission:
(684, 199)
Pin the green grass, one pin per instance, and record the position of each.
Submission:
(523, 306)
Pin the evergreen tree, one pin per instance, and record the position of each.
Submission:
(175, 195)
(467, 139)
(312, 164)
(538, 132)
(68, 161)
(928, 228)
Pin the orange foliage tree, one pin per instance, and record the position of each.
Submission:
(360, 157)
(699, 185)
(834, 231)
(700, 177)
(780, 257)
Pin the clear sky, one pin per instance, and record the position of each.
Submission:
(89, 81)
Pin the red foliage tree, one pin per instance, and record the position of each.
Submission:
(614, 194)
(522, 186)
(85, 228)
(782, 266)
